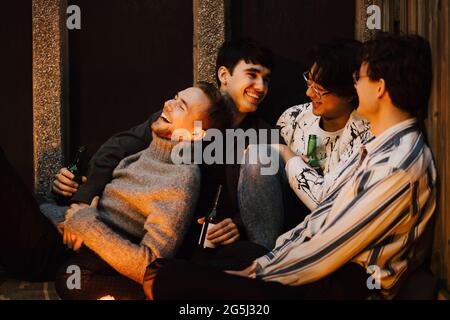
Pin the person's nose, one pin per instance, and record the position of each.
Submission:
(310, 93)
(260, 84)
(168, 106)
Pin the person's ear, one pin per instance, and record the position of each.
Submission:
(198, 134)
(223, 75)
(381, 88)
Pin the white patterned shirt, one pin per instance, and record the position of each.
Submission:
(296, 124)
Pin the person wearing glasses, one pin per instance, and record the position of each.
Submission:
(379, 217)
(331, 113)
(331, 117)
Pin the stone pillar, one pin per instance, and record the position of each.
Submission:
(209, 34)
(362, 33)
(48, 34)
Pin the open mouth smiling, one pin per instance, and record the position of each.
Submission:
(165, 118)
(254, 96)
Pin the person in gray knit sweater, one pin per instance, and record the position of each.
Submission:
(150, 199)
(143, 213)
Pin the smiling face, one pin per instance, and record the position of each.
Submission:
(329, 106)
(247, 85)
(187, 106)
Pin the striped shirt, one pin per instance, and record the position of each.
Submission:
(373, 215)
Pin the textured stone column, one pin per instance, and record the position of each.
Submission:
(209, 34)
(362, 33)
(48, 32)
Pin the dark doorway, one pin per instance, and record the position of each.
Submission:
(127, 59)
(16, 113)
(290, 28)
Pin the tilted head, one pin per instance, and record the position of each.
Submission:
(203, 102)
(243, 72)
(329, 80)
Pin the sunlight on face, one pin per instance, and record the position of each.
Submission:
(181, 112)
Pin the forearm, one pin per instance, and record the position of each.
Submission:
(347, 232)
(306, 182)
(127, 258)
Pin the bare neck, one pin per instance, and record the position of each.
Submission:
(387, 116)
(332, 125)
(238, 117)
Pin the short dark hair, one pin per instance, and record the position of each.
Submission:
(231, 52)
(404, 62)
(219, 115)
(336, 62)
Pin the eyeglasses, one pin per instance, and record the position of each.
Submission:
(311, 85)
(357, 76)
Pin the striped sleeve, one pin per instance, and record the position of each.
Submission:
(363, 213)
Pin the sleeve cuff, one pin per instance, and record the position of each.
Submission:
(294, 165)
(260, 264)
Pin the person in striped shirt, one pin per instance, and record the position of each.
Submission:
(374, 219)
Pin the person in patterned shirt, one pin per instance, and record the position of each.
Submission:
(330, 116)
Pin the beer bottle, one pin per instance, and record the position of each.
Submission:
(210, 221)
(78, 164)
(77, 167)
(311, 152)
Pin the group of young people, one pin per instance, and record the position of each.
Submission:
(301, 233)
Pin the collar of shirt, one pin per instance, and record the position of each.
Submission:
(388, 134)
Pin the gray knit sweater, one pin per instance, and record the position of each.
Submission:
(150, 199)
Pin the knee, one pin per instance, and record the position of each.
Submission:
(252, 164)
(260, 161)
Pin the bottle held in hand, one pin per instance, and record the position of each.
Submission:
(78, 165)
(210, 221)
(311, 152)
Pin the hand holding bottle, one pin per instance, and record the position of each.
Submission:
(215, 232)
(63, 183)
(68, 179)
(223, 233)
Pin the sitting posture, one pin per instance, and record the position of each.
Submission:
(142, 214)
(272, 204)
(243, 71)
(375, 218)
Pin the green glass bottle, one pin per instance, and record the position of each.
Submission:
(77, 167)
(311, 152)
(78, 164)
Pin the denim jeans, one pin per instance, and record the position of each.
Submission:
(267, 205)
